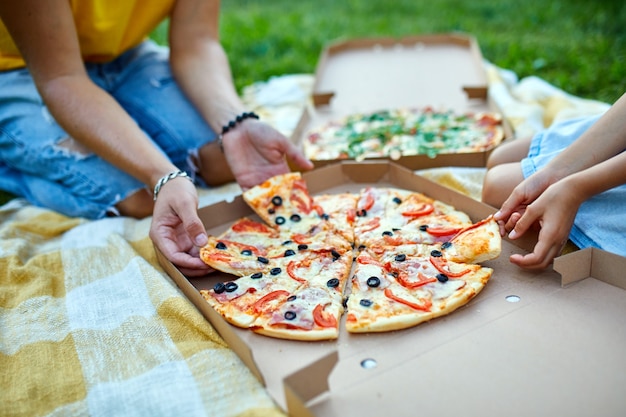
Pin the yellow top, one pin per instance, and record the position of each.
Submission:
(106, 28)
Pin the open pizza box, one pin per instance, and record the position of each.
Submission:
(442, 71)
(530, 343)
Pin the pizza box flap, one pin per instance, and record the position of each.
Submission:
(529, 342)
(442, 71)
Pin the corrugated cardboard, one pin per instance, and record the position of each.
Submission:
(443, 71)
(530, 344)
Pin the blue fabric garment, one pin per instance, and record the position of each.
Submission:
(74, 181)
(601, 220)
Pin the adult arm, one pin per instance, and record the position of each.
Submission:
(46, 36)
(254, 150)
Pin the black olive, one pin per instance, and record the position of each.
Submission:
(332, 283)
(287, 242)
(271, 211)
(397, 200)
(280, 220)
(446, 245)
(387, 233)
(230, 286)
(442, 277)
(219, 288)
(394, 274)
(436, 254)
(361, 213)
(246, 252)
(325, 216)
(373, 282)
(295, 218)
(256, 275)
(361, 247)
(263, 260)
(290, 252)
(303, 246)
(401, 257)
(336, 255)
(291, 298)
(344, 302)
(277, 200)
(395, 229)
(424, 227)
(275, 271)
(290, 315)
(220, 245)
(365, 302)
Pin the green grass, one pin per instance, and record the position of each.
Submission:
(576, 45)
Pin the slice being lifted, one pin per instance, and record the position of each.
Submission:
(414, 259)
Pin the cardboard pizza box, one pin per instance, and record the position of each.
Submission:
(547, 343)
(442, 71)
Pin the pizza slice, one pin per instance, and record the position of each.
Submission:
(241, 301)
(313, 311)
(310, 313)
(389, 216)
(284, 203)
(339, 210)
(397, 291)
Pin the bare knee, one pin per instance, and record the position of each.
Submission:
(137, 205)
(499, 182)
(514, 150)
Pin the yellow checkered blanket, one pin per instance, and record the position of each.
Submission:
(91, 325)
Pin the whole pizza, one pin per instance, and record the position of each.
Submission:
(384, 257)
(402, 132)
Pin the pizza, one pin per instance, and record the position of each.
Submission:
(402, 132)
(384, 258)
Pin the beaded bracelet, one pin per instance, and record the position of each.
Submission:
(231, 125)
(165, 178)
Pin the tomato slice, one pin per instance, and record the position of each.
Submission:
(425, 307)
(371, 225)
(443, 231)
(247, 225)
(366, 202)
(291, 271)
(423, 280)
(259, 305)
(442, 266)
(422, 210)
(323, 319)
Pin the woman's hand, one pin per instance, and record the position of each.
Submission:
(176, 228)
(255, 152)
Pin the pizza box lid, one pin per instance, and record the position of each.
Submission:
(442, 71)
(531, 343)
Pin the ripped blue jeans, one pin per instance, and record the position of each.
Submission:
(41, 163)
